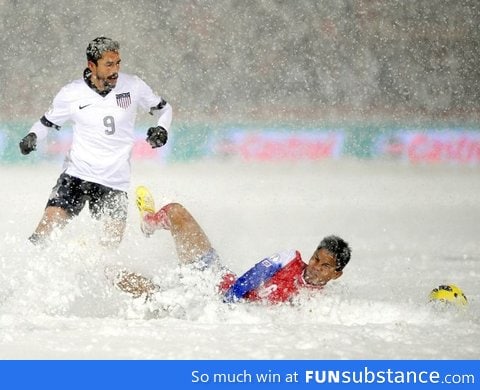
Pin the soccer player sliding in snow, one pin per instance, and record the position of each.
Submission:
(274, 279)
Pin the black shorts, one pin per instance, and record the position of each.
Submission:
(71, 194)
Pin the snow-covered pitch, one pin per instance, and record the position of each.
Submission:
(411, 228)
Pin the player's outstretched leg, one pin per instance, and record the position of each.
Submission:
(191, 242)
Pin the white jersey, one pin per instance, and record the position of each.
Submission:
(103, 127)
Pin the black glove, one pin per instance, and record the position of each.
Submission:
(28, 143)
(157, 136)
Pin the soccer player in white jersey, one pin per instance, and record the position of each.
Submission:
(102, 106)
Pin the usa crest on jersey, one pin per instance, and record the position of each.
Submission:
(123, 100)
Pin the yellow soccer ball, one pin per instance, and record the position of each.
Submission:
(448, 293)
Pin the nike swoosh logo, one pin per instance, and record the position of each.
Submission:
(82, 107)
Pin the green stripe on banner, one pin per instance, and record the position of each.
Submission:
(437, 143)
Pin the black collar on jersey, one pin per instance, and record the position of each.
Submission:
(87, 76)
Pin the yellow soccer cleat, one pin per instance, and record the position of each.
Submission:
(144, 200)
(146, 205)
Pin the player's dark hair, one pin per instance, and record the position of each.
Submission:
(100, 45)
(339, 248)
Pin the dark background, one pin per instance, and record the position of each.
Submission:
(305, 61)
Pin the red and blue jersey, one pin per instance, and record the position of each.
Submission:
(274, 279)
